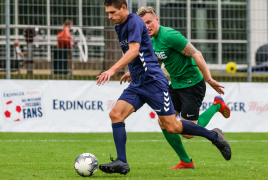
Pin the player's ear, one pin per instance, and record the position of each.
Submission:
(124, 7)
(157, 19)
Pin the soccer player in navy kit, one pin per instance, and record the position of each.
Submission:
(148, 85)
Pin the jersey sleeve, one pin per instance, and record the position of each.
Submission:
(135, 29)
(18, 50)
(176, 40)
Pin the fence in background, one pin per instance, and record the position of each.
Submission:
(223, 30)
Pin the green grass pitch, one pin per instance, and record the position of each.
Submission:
(30, 156)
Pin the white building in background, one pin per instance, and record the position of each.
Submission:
(259, 26)
(218, 28)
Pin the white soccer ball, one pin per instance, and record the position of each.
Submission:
(86, 164)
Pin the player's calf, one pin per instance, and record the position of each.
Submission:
(188, 136)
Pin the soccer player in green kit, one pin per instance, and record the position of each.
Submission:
(187, 90)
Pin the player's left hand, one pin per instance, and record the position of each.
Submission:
(125, 77)
(105, 76)
(215, 85)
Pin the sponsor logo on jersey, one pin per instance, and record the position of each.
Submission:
(123, 43)
(142, 60)
(161, 55)
(190, 115)
(166, 102)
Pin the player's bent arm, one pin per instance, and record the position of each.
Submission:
(132, 53)
(191, 51)
(21, 55)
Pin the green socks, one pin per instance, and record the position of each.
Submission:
(175, 141)
(206, 116)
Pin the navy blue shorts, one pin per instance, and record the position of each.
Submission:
(154, 93)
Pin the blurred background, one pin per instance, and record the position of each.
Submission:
(231, 34)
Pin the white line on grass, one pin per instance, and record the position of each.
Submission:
(55, 140)
(153, 163)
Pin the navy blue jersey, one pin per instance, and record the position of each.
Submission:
(145, 67)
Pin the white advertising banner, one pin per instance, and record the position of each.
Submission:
(82, 106)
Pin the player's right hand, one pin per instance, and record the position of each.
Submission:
(215, 85)
(105, 76)
(125, 77)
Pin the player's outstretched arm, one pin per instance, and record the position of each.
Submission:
(132, 53)
(191, 51)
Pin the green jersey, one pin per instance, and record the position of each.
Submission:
(183, 70)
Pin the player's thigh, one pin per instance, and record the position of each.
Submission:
(192, 98)
(171, 124)
(156, 95)
(121, 111)
(128, 102)
(160, 123)
(175, 98)
(176, 113)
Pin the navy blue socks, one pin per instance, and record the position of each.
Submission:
(120, 139)
(190, 128)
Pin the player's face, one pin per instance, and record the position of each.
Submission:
(116, 15)
(152, 24)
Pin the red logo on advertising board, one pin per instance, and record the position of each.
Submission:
(152, 115)
(110, 104)
(12, 111)
(258, 107)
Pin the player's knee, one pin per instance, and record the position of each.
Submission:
(187, 136)
(160, 124)
(111, 115)
(115, 116)
(172, 130)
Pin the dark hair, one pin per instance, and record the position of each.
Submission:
(116, 3)
(67, 22)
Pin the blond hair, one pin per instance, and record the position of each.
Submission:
(147, 9)
(16, 42)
